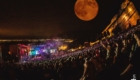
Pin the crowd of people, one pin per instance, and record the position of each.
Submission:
(117, 60)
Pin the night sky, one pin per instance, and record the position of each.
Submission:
(53, 18)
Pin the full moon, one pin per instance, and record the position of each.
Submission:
(86, 9)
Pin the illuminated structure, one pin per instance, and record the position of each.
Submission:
(126, 17)
(27, 49)
(42, 51)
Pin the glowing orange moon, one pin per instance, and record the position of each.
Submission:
(86, 9)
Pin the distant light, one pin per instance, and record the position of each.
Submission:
(92, 43)
(80, 47)
(125, 17)
(63, 47)
(52, 50)
(129, 9)
(44, 50)
(9, 52)
(37, 52)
